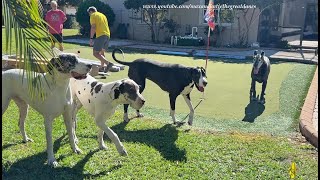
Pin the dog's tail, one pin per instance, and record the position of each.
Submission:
(118, 61)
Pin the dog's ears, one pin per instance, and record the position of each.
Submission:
(255, 52)
(117, 90)
(116, 93)
(194, 71)
(54, 63)
(203, 71)
(262, 53)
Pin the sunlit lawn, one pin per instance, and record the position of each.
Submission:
(220, 145)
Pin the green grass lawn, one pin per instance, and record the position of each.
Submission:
(220, 145)
(227, 95)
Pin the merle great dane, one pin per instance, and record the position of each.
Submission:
(260, 73)
(172, 78)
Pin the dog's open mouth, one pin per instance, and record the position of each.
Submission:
(200, 88)
(255, 70)
(78, 76)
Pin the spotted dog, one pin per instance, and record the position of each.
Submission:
(101, 99)
(172, 78)
(259, 73)
(56, 99)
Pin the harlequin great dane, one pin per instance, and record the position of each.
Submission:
(101, 99)
(172, 78)
(260, 73)
(56, 99)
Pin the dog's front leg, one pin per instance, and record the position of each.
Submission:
(100, 122)
(125, 114)
(75, 107)
(48, 126)
(139, 114)
(173, 98)
(253, 90)
(102, 146)
(264, 85)
(70, 125)
(188, 101)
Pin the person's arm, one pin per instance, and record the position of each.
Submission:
(64, 17)
(46, 18)
(92, 30)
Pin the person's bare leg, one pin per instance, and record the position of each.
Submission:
(103, 60)
(100, 57)
(60, 46)
(111, 65)
(52, 45)
(102, 54)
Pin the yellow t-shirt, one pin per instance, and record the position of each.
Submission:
(101, 22)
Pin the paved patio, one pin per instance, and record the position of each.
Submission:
(233, 53)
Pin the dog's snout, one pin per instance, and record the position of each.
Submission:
(89, 66)
(143, 101)
(205, 83)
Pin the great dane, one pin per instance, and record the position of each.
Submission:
(260, 73)
(56, 99)
(172, 78)
(101, 99)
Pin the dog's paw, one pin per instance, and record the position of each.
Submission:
(53, 163)
(103, 147)
(77, 150)
(123, 153)
(190, 123)
(76, 140)
(139, 115)
(28, 140)
(126, 118)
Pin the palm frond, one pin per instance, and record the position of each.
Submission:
(24, 25)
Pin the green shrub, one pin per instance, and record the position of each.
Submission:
(283, 44)
(71, 22)
(83, 18)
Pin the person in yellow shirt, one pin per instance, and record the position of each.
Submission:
(100, 27)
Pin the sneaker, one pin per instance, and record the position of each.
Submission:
(116, 69)
(108, 67)
(101, 69)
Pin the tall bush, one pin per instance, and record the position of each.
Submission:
(83, 17)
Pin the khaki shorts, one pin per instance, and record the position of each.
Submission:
(101, 42)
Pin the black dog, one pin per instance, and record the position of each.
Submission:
(260, 72)
(172, 78)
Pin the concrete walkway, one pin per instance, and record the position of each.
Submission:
(229, 53)
(309, 114)
(315, 115)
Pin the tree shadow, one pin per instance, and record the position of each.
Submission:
(252, 111)
(162, 139)
(35, 166)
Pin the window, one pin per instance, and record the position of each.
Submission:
(161, 15)
(223, 16)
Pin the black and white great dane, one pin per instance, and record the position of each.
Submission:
(260, 73)
(101, 100)
(172, 78)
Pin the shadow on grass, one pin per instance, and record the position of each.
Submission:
(8, 145)
(252, 111)
(35, 166)
(162, 139)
